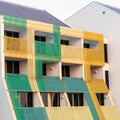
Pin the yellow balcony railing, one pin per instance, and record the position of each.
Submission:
(71, 54)
(15, 44)
(97, 86)
(15, 47)
(94, 57)
(110, 113)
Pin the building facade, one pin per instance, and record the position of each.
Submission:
(52, 72)
(104, 19)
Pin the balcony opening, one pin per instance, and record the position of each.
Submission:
(65, 71)
(107, 78)
(12, 67)
(45, 99)
(91, 44)
(51, 99)
(86, 45)
(50, 68)
(76, 99)
(44, 37)
(76, 71)
(44, 69)
(72, 70)
(40, 38)
(11, 34)
(26, 99)
(55, 99)
(71, 41)
(100, 97)
(106, 53)
(64, 42)
(96, 72)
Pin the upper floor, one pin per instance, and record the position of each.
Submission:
(25, 38)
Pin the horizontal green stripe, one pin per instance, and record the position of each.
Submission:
(14, 21)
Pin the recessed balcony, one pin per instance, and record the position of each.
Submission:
(71, 54)
(15, 47)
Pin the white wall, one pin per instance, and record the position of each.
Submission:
(36, 101)
(76, 71)
(52, 69)
(5, 108)
(23, 67)
(97, 72)
(91, 18)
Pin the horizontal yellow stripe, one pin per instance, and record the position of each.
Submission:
(71, 32)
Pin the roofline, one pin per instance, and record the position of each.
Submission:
(16, 4)
(80, 10)
(108, 7)
(54, 18)
(57, 18)
(98, 3)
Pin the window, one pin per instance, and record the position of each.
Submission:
(105, 53)
(26, 99)
(45, 98)
(107, 78)
(91, 44)
(11, 34)
(86, 45)
(12, 66)
(51, 99)
(100, 97)
(44, 69)
(76, 99)
(55, 99)
(64, 42)
(66, 71)
(40, 38)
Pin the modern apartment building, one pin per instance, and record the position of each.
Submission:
(104, 19)
(50, 71)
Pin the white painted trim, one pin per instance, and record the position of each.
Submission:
(66, 97)
(105, 41)
(111, 98)
(82, 42)
(60, 70)
(40, 99)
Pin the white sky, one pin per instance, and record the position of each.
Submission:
(61, 8)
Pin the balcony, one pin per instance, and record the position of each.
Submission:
(30, 113)
(47, 51)
(97, 86)
(15, 47)
(50, 84)
(17, 82)
(71, 54)
(94, 57)
(69, 113)
(110, 113)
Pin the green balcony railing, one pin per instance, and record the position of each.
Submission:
(47, 51)
(50, 84)
(31, 113)
(17, 82)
